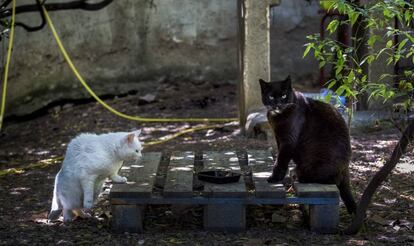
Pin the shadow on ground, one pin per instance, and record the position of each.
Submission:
(25, 195)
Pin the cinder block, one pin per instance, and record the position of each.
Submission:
(127, 218)
(324, 218)
(225, 217)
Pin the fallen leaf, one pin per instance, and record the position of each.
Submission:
(390, 201)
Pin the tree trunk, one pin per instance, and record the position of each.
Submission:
(379, 177)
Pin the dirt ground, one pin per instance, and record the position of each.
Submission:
(26, 191)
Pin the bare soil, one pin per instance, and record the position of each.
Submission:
(26, 193)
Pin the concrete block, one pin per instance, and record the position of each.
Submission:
(225, 217)
(127, 218)
(324, 218)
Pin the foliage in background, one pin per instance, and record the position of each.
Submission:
(349, 78)
(351, 65)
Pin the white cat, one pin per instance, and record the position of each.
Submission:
(89, 160)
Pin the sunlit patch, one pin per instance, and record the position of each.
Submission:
(366, 151)
(41, 221)
(181, 169)
(176, 158)
(405, 165)
(381, 144)
(137, 166)
(235, 168)
(44, 152)
(262, 174)
(257, 162)
(20, 189)
(233, 159)
(40, 217)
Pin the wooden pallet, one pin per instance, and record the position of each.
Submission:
(224, 204)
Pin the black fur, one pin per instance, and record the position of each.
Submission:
(311, 133)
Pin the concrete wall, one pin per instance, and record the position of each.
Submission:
(291, 22)
(135, 43)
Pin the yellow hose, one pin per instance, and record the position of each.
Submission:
(6, 68)
(129, 117)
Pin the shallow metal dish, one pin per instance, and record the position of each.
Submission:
(219, 176)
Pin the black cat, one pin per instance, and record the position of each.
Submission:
(311, 133)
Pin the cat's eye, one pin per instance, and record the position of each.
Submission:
(284, 97)
(271, 98)
(137, 150)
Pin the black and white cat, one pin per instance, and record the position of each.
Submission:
(311, 133)
(89, 160)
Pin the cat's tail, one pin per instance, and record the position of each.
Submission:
(346, 194)
(56, 209)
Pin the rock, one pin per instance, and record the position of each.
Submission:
(147, 98)
(257, 125)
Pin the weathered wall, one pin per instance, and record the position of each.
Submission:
(122, 46)
(291, 22)
(136, 43)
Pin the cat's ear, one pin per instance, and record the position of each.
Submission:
(263, 84)
(137, 132)
(288, 83)
(288, 79)
(129, 139)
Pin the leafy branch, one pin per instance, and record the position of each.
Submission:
(350, 76)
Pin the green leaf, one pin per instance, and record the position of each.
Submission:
(389, 44)
(308, 48)
(349, 92)
(387, 13)
(333, 25)
(353, 17)
(328, 97)
(364, 78)
(338, 70)
(331, 84)
(351, 77)
(402, 43)
(372, 40)
(322, 64)
(340, 90)
(407, 16)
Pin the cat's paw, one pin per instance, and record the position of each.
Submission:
(87, 205)
(119, 179)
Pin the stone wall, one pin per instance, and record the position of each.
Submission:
(133, 44)
(291, 22)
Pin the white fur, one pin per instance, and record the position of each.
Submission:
(89, 160)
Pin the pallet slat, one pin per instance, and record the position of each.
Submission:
(227, 161)
(179, 181)
(261, 164)
(141, 176)
(316, 190)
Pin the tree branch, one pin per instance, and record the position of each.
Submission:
(379, 177)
